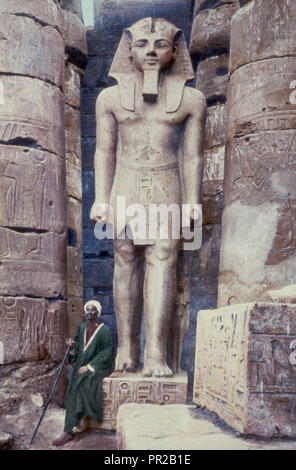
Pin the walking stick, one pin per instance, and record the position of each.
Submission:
(50, 395)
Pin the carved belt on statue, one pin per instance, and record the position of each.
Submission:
(154, 169)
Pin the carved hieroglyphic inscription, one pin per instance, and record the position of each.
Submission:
(32, 263)
(255, 103)
(242, 368)
(121, 389)
(32, 329)
(261, 167)
(32, 189)
(39, 122)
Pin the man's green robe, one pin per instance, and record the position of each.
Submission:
(84, 392)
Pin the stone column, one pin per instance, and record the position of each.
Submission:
(75, 63)
(33, 310)
(209, 47)
(258, 233)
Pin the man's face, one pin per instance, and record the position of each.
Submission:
(152, 52)
(91, 313)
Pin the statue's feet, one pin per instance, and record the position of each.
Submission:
(124, 362)
(154, 368)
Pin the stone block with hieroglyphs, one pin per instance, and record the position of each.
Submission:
(242, 367)
(134, 388)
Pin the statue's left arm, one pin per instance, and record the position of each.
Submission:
(193, 145)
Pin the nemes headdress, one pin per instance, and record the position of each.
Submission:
(123, 69)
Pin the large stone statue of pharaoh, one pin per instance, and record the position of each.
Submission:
(140, 124)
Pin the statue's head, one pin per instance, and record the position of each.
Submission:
(153, 43)
(152, 46)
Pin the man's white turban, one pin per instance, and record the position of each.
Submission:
(96, 304)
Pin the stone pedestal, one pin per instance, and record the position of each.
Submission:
(134, 388)
(242, 367)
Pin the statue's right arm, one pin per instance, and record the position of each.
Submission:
(105, 156)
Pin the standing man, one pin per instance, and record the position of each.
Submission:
(140, 125)
(91, 354)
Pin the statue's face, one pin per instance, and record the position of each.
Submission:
(152, 52)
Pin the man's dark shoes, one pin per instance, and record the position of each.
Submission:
(63, 439)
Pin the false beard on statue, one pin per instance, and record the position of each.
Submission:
(150, 87)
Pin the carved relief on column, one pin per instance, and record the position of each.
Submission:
(32, 177)
(258, 241)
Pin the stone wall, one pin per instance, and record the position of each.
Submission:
(258, 236)
(33, 269)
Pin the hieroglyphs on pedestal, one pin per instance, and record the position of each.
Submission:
(122, 388)
(243, 370)
(258, 232)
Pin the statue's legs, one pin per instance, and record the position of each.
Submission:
(128, 302)
(159, 303)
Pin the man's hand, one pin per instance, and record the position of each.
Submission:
(99, 212)
(70, 343)
(82, 370)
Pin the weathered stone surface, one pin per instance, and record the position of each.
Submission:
(212, 77)
(257, 40)
(46, 11)
(32, 329)
(75, 39)
(32, 190)
(72, 5)
(211, 30)
(182, 427)
(256, 104)
(216, 126)
(285, 295)
(206, 266)
(88, 126)
(88, 147)
(32, 264)
(243, 370)
(74, 271)
(74, 221)
(88, 100)
(214, 165)
(96, 74)
(98, 272)
(259, 173)
(122, 388)
(72, 127)
(32, 50)
(75, 315)
(72, 81)
(201, 5)
(73, 166)
(6, 440)
(33, 113)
